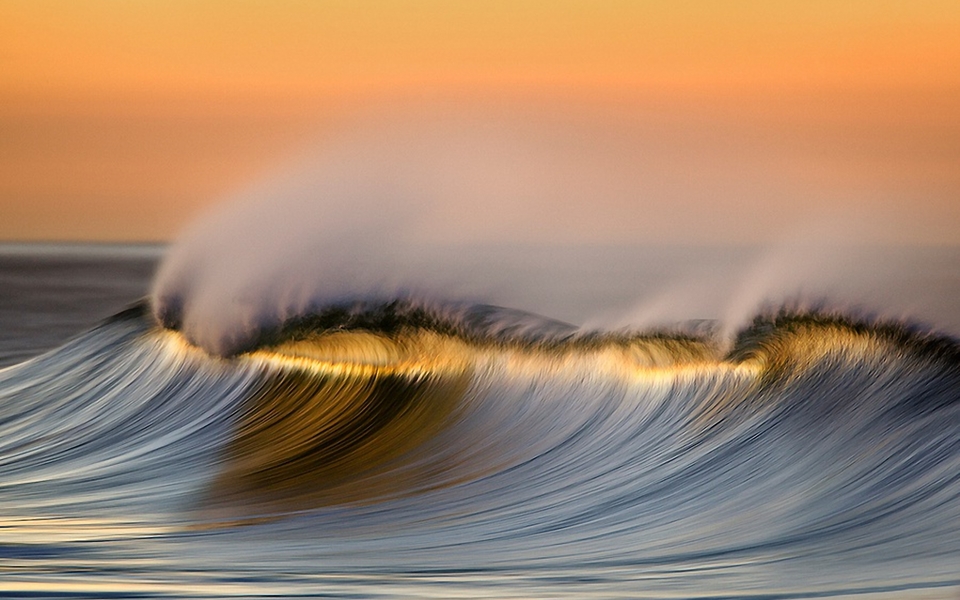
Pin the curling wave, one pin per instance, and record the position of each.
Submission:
(820, 456)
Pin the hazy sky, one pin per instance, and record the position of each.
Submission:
(119, 119)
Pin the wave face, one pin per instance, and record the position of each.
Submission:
(392, 450)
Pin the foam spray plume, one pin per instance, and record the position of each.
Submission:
(450, 212)
(425, 214)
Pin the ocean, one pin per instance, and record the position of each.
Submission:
(404, 446)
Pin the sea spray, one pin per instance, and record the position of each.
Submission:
(535, 215)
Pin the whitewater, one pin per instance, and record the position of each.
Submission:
(327, 398)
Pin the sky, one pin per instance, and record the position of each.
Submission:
(120, 120)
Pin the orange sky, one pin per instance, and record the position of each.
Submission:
(119, 118)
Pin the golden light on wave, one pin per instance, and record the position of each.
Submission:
(346, 417)
(63, 529)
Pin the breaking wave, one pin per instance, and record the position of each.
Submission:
(324, 395)
(819, 456)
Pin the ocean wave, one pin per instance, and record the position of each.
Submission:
(441, 441)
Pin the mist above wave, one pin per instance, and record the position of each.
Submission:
(407, 211)
(538, 216)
